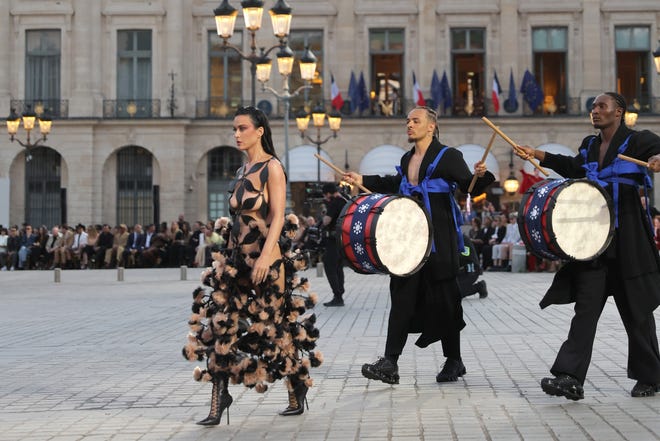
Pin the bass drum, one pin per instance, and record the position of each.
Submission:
(569, 219)
(380, 234)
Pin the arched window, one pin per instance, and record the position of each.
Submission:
(222, 165)
(135, 194)
(43, 197)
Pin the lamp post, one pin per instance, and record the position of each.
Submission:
(225, 20)
(631, 116)
(318, 117)
(28, 118)
(511, 184)
(285, 66)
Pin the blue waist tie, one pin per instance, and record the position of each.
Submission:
(435, 185)
(611, 175)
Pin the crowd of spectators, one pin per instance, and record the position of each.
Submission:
(104, 246)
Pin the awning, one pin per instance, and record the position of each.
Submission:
(304, 165)
(472, 153)
(552, 148)
(381, 160)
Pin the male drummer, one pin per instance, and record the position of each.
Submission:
(428, 301)
(629, 269)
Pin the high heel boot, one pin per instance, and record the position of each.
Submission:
(220, 400)
(297, 397)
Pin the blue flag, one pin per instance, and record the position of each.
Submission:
(532, 92)
(445, 92)
(436, 90)
(353, 93)
(512, 101)
(363, 101)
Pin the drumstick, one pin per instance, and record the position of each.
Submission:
(341, 172)
(483, 159)
(513, 144)
(633, 160)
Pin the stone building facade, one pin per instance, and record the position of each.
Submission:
(141, 93)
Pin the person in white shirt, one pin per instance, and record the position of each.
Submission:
(502, 250)
(79, 243)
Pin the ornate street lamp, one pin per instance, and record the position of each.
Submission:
(225, 20)
(285, 67)
(631, 116)
(29, 118)
(318, 118)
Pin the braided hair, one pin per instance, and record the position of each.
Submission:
(432, 116)
(620, 101)
(259, 119)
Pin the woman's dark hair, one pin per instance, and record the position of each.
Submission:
(620, 102)
(259, 119)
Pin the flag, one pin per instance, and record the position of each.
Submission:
(353, 95)
(528, 180)
(335, 95)
(417, 92)
(363, 96)
(531, 91)
(445, 92)
(511, 103)
(497, 90)
(436, 90)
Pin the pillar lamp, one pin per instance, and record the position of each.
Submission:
(656, 58)
(511, 184)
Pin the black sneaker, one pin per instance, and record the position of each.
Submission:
(644, 390)
(451, 371)
(563, 386)
(336, 301)
(383, 370)
(482, 290)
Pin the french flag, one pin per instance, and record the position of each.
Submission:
(417, 92)
(335, 95)
(495, 94)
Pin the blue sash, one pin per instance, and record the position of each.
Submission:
(611, 175)
(435, 185)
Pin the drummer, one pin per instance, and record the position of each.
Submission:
(429, 301)
(629, 269)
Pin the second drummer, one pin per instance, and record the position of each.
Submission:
(629, 269)
(429, 301)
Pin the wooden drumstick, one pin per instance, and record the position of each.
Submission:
(341, 172)
(513, 144)
(633, 160)
(483, 159)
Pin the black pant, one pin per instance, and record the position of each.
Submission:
(466, 283)
(333, 267)
(410, 296)
(592, 287)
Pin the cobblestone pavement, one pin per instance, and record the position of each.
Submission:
(94, 358)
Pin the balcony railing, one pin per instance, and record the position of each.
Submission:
(53, 108)
(127, 109)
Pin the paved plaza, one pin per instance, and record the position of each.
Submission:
(95, 358)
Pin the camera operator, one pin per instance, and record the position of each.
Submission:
(332, 261)
(310, 241)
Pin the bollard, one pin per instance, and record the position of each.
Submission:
(184, 272)
(57, 274)
(319, 269)
(120, 274)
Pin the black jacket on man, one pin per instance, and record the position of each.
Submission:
(436, 312)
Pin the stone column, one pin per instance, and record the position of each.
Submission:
(6, 37)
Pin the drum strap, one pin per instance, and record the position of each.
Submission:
(612, 175)
(435, 185)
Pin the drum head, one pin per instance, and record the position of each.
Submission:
(582, 221)
(403, 236)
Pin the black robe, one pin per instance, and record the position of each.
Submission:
(632, 246)
(444, 262)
